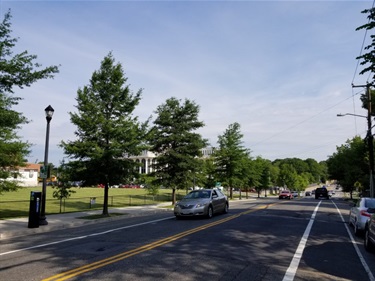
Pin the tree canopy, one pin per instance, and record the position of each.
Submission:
(107, 132)
(368, 58)
(177, 144)
(16, 71)
(230, 155)
(349, 164)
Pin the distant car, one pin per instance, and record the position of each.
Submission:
(308, 193)
(295, 194)
(360, 213)
(321, 192)
(286, 194)
(202, 202)
(369, 240)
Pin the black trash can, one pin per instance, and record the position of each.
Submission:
(34, 211)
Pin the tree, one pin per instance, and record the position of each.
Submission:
(299, 172)
(229, 156)
(315, 170)
(368, 59)
(255, 170)
(16, 71)
(177, 145)
(63, 188)
(107, 132)
(349, 165)
(209, 173)
(288, 176)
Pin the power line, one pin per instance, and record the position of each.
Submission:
(303, 121)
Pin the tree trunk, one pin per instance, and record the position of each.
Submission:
(173, 196)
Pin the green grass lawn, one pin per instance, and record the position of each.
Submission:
(17, 203)
(24, 193)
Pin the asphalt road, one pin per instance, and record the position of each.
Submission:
(263, 239)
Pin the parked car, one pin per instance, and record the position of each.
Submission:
(321, 192)
(369, 240)
(308, 193)
(295, 194)
(202, 202)
(360, 213)
(285, 194)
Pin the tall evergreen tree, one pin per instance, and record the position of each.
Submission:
(229, 156)
(16, 71)
(107, 132)
(177, 144)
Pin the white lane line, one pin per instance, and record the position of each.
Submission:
(81, 237)
(360, 256)
(292, 269)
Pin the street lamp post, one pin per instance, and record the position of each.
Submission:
(42, 219)
(370, 140)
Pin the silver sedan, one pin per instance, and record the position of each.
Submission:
(203, 202)
(360, 213)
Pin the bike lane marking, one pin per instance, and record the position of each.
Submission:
(292, 269)
(360, 256)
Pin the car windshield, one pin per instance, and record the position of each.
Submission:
(199, 194)
(370, 203)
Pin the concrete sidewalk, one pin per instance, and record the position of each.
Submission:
(19, 227)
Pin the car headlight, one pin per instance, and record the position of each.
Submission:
(199, 205)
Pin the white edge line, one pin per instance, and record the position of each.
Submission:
(360, 256)
(81, 237)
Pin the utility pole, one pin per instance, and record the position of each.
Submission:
(370, 137)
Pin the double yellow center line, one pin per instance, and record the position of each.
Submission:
(98, 264)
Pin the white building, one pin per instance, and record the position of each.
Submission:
(147, 158)
(28, 175)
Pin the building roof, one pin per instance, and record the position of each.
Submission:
(31, 166)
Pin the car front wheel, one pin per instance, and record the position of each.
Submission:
(225, 211)
(210, 212)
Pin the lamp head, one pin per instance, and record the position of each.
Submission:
(49, 112)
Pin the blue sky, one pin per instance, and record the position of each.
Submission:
(281, 69)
